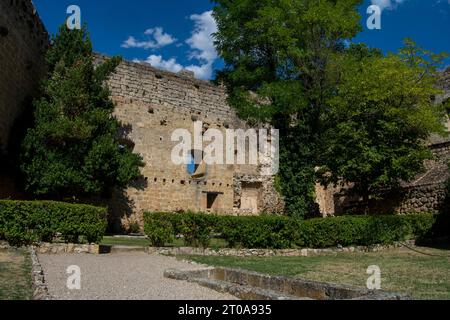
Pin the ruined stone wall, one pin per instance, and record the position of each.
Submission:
(427, 198)
(426, 193)
(23, 40)
(152, 104)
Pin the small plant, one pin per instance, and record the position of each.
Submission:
(134, 228)
(159, 229)
(197, 228)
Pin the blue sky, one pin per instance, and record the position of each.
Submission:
(175, 34)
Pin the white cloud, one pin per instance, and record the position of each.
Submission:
(201, 47)
(201, 40)
(162, 39)
(157, 39)
(157, 61)
(388, 4)
(203, 71)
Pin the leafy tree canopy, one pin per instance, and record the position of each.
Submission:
(380, 118)
(358, 115)
(278, 56)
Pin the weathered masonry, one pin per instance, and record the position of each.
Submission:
(23, 40)
(152, 104)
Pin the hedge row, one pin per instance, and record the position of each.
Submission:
(27, 222)
(280, 232)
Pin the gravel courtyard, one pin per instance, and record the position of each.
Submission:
(126, 276)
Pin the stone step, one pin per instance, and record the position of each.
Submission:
(125, 249)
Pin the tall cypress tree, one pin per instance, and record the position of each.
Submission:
(74, 149)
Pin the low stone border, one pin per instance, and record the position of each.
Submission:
(68, 248)
(40, 289)
(249, 285)
(272, 252)
(4, 245)
(39, 286)
(59, 248)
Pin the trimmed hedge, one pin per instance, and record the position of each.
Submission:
(264, 231)
(279, 232)
(28, 222)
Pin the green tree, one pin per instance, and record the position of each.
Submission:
(74, 147)
(379, 118)
(278, 56)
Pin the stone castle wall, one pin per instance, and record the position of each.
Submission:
(152, 104)
(23, 40)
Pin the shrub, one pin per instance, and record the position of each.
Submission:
(275, 232)
(197, 229)
(134, 228)
(279, 232)
(159, 228)
(321, 233)
(27, 222)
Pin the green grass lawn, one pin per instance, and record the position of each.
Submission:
(140, 242)
(15, 275)
(421, 276)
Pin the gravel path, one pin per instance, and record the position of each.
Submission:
(133, 276)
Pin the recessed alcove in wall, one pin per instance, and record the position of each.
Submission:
(212, 201)
(4, 32)
(251, 196)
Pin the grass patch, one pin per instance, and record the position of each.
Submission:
(130, 242)
(421, 276)
(15, 275)
(142, 242)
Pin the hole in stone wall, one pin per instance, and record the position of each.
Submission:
(28, 65)
(211, 199)
(158, 76)
(4, 31)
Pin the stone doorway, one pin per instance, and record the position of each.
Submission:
(250, 197)
(212, 201)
